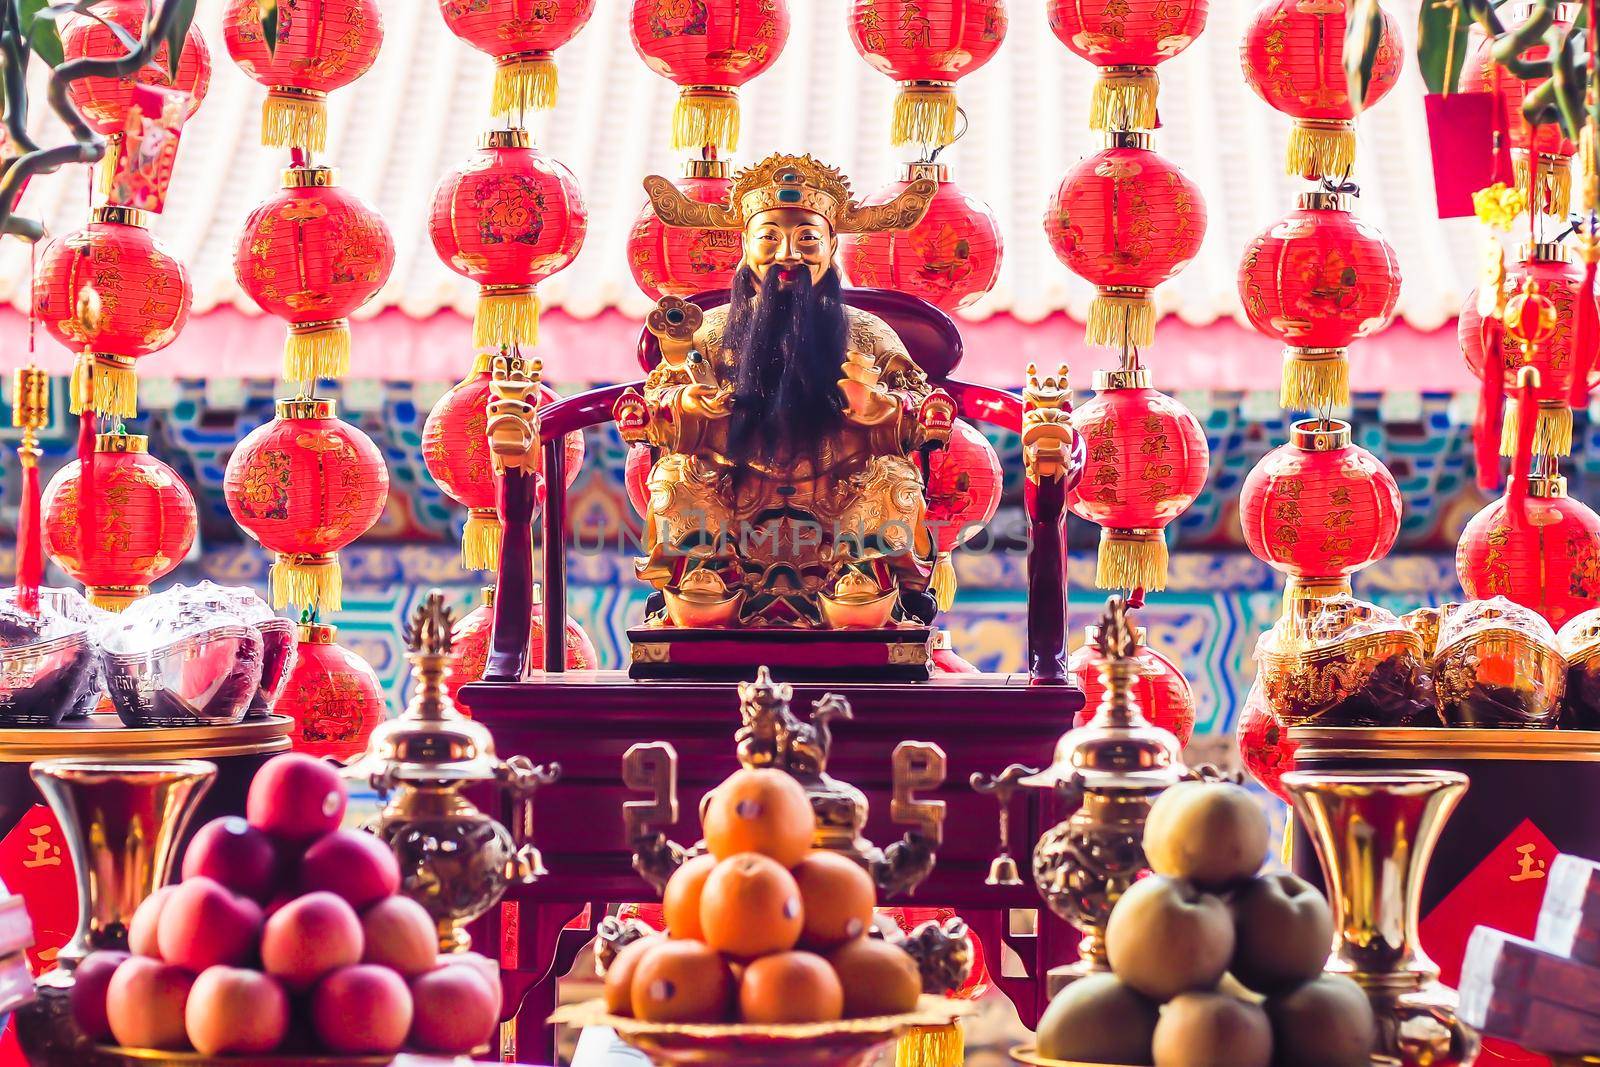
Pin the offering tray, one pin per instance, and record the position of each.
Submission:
(1431, 744)
(1028, 1054)
(845, 1043)
(102, 736)
(118, 1056)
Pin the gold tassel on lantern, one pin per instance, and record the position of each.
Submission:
(507, 315)
(1132, 559)
(295, 118)
(1555, 181)
(943, 583)
(524, 82)
(107, 168)
(1314, 379)
(1321, 148)
(706, 115)
(1552, 436)
(316, 350)
(925, 114)
(931, 1046)
(1121, 317)
(110, 382)
(480, 541)
(308, 579)
(1124, 99)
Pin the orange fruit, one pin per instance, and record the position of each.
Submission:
(878, 978)
(681, 900)
(763, 811)
(750, 906)
(837, 896)
(790, 987)
(677, 981)
(619, 976)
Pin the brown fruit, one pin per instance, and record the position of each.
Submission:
(1212, 833)
(763, 811)
(790, 987)
(681, 900)
(750, 907)
(1282, 932)
(1325, 1023)
(1212, 1030)
(680, 981)
(619, 976)
(837, 897)
(1098, 1019)
(1166, 937)
(878, 978)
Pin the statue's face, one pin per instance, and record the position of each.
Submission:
(790, 239)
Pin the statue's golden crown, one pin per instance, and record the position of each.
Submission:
(781, 181)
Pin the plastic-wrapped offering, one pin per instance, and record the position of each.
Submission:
(1498, 664)
(278, 637)
(47, 662)
(1579, 641)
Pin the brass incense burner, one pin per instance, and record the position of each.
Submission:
(455, 860)
(772, 736)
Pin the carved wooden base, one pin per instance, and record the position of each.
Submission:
(887, 655)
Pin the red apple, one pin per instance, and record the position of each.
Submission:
(233, 1010)
(89, 984)
(145, 1004)
(480, 964)
(353, 864)
(146, 921)
(203, 924)
(296, 798)
(308, 937)
(362, 1010)
(454, 1011)
(236, 854)
(400, 935)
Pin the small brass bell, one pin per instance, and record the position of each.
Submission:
(1003, 868)
(1003, 871)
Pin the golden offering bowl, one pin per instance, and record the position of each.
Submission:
(120, 1056)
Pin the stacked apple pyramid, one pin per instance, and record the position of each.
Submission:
(763, 928)
(286, 933)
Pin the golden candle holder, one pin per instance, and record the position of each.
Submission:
(1374, 833)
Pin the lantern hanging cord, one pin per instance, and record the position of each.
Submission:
(961, 131)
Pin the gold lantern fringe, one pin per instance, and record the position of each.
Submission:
(107, 168)
(316, 350)
(931, 1046)
(1555, 181)
(1120, 317)
(1132, 559)
(1315, 379)
(706, 115)
(307, 580)
(1552, 436)
(295, 118)
(115, 387)
(481, 363)
(507, 315)
(524, 82)
(924, 114)
(1124, 99)
(115, 597)
(1322, 148)
(943, 583)
(480, 541)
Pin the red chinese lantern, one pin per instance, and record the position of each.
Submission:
(104, 102)
(636, 477)
(1265, 747)
(1126, 220)
(469, 646)
(1147, 461)
(1293, 57)
(950, 259)
(305, 485)
(143, 513)
(311, 255)
(1126, 41)
(926, 46)
(320, 47)
(964, 485)
(708, 48)
(1319, 508)
(1543, 145)
(508, 219)
(1161, 691)
(141, 302)
(686, 260)
(1550, 563)
(520, 35)
(333, 696)
(1318, 279)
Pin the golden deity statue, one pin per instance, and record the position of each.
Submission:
(787, 426)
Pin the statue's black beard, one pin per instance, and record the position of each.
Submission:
(788, 344)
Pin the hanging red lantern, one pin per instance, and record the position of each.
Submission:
(333, 696)
(1319, 508)
(521, 36)
(1545, 145)
(1161, 690)
(1265, 747)
(1126, 41)
(144, 519)
(926, 46)
(320, 47)
(469, 646)
(1293, 57)
(1550, 563)
(305, 485)
(1147, 461)
(104, 102)
(141, 302)
(311, 255)
(1126, 220)
(508, 219)
(708, 49)
(1318, 279)
(686, 260)
(950, 259)
(963, 491)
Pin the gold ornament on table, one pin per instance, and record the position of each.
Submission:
(1046, 425)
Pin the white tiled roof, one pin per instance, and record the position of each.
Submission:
(422, 106)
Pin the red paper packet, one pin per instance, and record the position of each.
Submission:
(1467, 156)
(142, 169)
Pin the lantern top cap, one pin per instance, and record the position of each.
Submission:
(1323, 200)
(911, 171)
(1543, 252)
(1126, 378)
(510, 138)
(310, 177)
(783, 181)
(317, 633)
(1139, 139)
(706, 168)
(120, 215)
(1547, 486)
(134, 444)
(1320, 435)
(306, 408)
